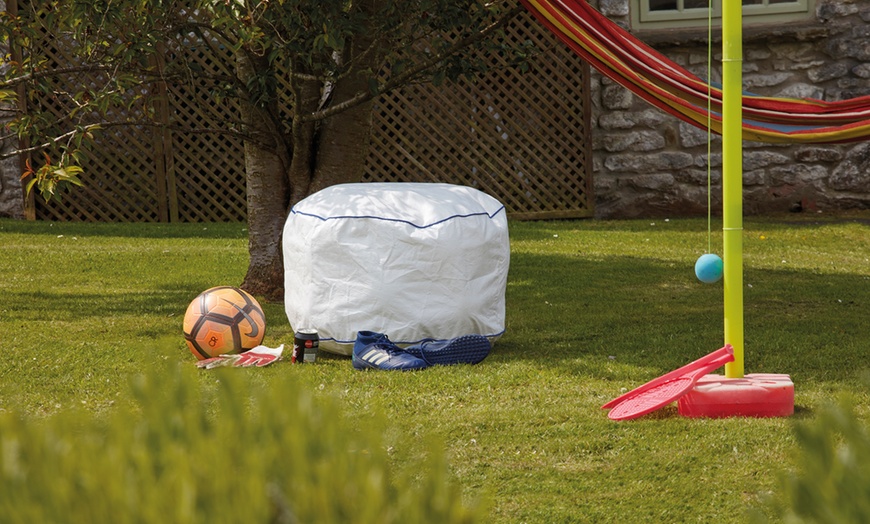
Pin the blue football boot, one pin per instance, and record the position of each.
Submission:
(467, 349)
(375, 351)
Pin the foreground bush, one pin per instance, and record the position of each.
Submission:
(242, 454)
(832, 482)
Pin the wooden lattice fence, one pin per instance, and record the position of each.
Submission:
(122, 171)
(521, 137)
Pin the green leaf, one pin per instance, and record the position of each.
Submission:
(319, 42)
(68, 174)
(333, 42)
(30, 185)
(7, 95)
(438, 79)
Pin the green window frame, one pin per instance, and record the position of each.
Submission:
(663, 14)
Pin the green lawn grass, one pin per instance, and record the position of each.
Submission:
(593, 308)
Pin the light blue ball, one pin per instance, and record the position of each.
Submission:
(708, 268)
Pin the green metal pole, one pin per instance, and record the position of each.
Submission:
(732, 179)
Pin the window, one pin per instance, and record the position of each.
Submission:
(660, 14)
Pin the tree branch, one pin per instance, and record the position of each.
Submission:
(106, 125)
(405, 77)
(36, 75)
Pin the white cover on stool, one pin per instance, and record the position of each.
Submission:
(414, 261)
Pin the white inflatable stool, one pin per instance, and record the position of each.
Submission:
(414, 261)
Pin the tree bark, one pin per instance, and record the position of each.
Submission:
(306, 98)
(319, 155)
(267, 210)
(345, 137)
(344, 145)
(268, 189)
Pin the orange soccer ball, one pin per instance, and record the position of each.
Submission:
(223, 320)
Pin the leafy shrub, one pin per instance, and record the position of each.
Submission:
(242, 453)
(832, 482)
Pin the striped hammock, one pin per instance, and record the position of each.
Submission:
(617, 54)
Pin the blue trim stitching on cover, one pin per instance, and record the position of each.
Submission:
(295, 212)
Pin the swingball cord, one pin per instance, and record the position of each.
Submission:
(709, 122)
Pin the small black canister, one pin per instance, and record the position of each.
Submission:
(305, 344)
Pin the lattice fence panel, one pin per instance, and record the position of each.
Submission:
(120, 171)
(145, 174)
(207, 168)
(522, 137)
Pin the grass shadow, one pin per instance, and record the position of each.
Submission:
(72, 305)
(608, 315)
(221, 230)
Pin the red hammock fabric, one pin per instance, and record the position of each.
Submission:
(619, 55)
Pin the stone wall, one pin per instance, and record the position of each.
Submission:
(11, 195)
(648, 163)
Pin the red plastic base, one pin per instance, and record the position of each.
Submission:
(754, 395)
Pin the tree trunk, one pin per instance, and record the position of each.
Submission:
(343, 147)
(322, 155)
(345, 137)
(268, 190)
(267, 210)
(306, 98)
